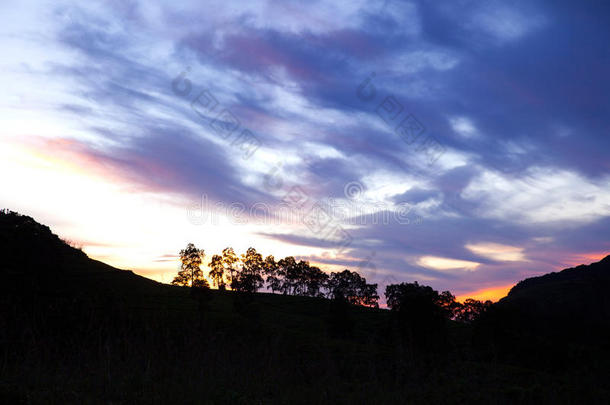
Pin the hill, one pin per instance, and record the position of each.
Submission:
(33, 257)
(75, 330)
(572, 304)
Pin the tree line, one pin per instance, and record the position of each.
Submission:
(251, 272)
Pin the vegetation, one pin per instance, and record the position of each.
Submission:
(190, 274)
(251, 272)
(74, 330)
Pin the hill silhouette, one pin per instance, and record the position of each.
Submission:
(34, 257)
(571, 304)
(579, 285)
(75, 330)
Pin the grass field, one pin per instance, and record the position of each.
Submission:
(160, 344)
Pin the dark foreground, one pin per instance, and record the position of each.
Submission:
(170, 347)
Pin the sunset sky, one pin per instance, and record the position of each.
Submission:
(462, 144)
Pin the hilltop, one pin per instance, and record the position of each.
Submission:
(573, 303)
(35, 258)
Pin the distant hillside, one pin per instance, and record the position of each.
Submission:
(596, 271)
(574, 301)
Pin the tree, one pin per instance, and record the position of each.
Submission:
(368, 295)
(190, 273)
(416, 299)
(229, 260)
(286, 266)
(446, 301)
(314, 280)
(217, 271)
(353, 288)
(200, 282)
(250, 278)
(422, 313)
(471, 310)
(295, 276)
(271, 270)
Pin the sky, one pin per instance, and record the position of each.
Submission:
(461, 144)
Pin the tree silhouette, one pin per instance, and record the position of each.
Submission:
(295, 276)
(190, 273)
(217, 271)
(422, 313)
(450, 307)
(353, 288)
(250, 278)
(286, 266)
(471, 310)
(412, 297)
(314, 280)
(271, 274)
(287, 276)
(229, 260)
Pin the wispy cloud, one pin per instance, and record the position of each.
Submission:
(516, 94)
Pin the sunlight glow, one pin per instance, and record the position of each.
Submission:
(491, 293)
(112, 219)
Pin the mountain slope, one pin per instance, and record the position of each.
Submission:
(574, 303)
(34, 257)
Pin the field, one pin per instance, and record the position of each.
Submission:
(163, 344)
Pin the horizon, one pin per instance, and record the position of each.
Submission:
(456, 146)
(492, 295)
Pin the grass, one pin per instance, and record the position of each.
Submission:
(159, 344)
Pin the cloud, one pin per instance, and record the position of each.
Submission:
(463, 126)
(443, 263)
(504, 23)
(497, 252)
(541, 195)
(166, 160)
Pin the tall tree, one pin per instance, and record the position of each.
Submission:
(217, 271)
(286, 269)
(314, 280)
(250, 277)
(296, 277)
(272, 275)
(229, 260)
(190, 273)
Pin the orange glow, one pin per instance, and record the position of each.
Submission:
(74, 156)
(493, 293)
(584, 258)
